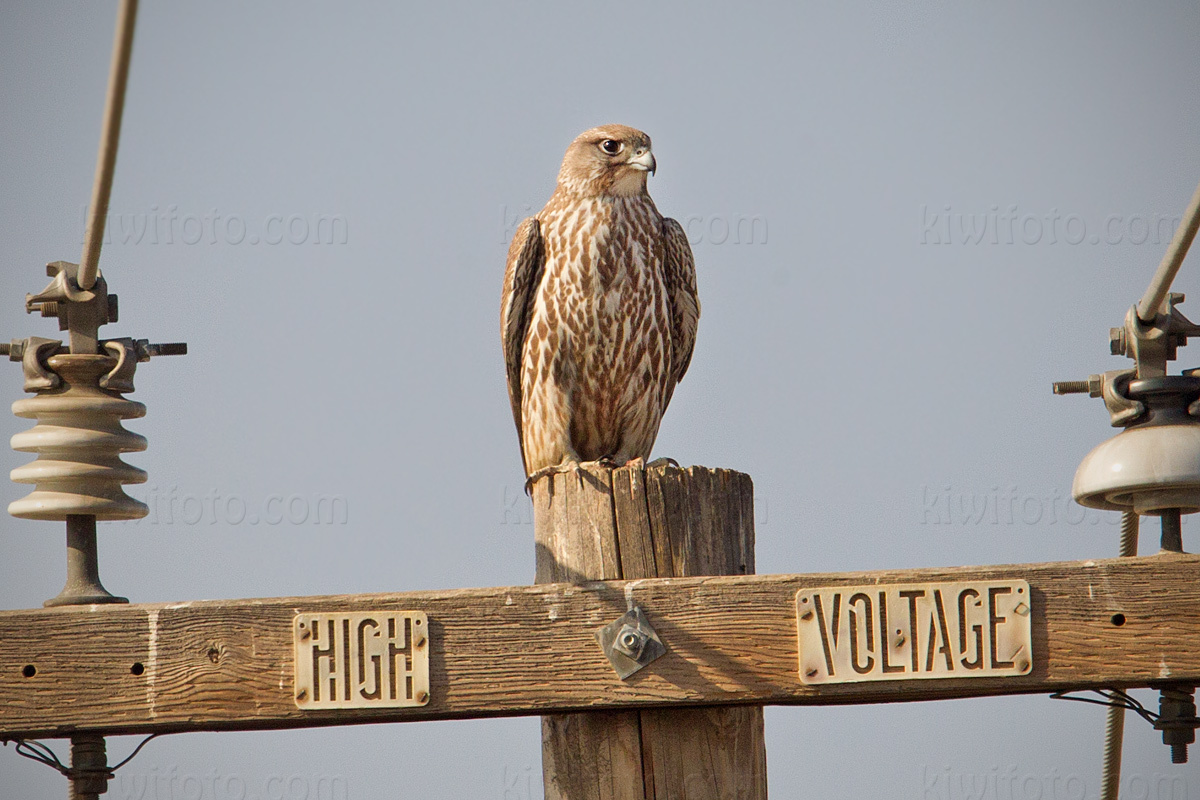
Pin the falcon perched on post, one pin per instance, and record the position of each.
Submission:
(599, 311)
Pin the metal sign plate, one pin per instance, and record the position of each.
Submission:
(912, 631)
(366, 660)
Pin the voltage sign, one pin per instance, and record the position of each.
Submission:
(912, 631)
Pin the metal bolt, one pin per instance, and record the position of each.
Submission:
(810, 673)
(89, 773)
(167, 349)
(422, 697)
(806, 615)
(303, 693)
(1116, 341)
(1177, 721)
(1070, 387)
(1093, 386)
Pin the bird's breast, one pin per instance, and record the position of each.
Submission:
(603, 274)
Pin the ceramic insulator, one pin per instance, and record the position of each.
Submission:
(79, 440)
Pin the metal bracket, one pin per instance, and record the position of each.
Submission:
(630, 643)
(120, 378)
(1152, 344)
(1122, 409)
(79, 311)
(32, 353)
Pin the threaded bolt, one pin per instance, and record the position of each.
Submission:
(1177, 720)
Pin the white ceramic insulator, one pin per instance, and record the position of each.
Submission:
(1146, 469)
(79, 440)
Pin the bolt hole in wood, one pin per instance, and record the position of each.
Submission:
(29, 671)
(137, 669)
(1118, 619)
(214, 654)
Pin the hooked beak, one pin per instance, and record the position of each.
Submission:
(644, 160)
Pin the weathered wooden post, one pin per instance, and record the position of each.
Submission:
(598, 523)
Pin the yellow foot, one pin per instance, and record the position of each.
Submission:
(663, 462)
(566, 466)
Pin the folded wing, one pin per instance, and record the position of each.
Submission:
(522, 275)
(679, 270)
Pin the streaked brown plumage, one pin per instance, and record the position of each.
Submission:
(599, 311)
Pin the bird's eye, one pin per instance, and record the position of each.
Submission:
(611, 146)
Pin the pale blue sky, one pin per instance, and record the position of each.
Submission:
(877, 354)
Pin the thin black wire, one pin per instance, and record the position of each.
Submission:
(136, 750)
(41, 753)
(1113, 698)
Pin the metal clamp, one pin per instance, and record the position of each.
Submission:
(1122, 409)
(630, 643)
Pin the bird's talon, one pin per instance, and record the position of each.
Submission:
(566, 466)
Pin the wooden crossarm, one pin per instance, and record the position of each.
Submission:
(228, 664)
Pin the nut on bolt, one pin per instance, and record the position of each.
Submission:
(1177, 721)
(1092, 386)
(630, 641)
(1116, 341)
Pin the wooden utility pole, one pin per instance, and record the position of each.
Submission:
(598, 523)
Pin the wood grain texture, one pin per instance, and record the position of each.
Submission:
(227, 664)
(635, 523)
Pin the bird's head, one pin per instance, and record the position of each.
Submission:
(611, 160)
